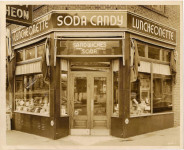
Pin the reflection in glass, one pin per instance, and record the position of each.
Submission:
(80, 96)
(100, 96)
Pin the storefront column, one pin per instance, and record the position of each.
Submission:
(118, 123)
(61, 124)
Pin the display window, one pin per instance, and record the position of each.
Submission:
(32, 94)
(115, 94)
(144, 99)
(115, 70)
(64, 88)
(140, 103)
(162, 93)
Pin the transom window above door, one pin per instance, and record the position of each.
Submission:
(90, 66)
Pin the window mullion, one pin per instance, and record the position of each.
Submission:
(146, 51)
(151, 87)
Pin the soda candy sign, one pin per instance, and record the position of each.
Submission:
(91, 20)
(19, 14)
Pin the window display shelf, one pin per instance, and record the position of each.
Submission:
(32, 92)
(147, 115)
(31, 113)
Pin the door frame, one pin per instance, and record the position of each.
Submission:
(90, 103)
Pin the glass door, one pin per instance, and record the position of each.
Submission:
(90, 103)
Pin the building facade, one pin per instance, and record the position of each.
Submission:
(97, 70)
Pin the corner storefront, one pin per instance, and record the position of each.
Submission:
(93, 73)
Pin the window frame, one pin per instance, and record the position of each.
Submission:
(160, 61)
(23, 76)
(36, 58)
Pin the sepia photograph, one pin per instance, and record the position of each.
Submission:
(92, 75)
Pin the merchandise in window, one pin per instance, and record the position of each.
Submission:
(140, 103)
(162, 94)
(32, 94)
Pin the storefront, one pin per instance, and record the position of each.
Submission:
(93, 73)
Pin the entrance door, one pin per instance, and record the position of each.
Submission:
(90, 103)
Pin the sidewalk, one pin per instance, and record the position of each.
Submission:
(166, 137)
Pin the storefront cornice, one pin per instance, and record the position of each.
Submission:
(125, 20)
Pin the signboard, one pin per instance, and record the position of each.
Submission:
(96, 20)
(41, 25)
(90, 19)
(92, 47)
(151, 28)
(19, 14)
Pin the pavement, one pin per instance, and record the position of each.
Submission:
(167, 138)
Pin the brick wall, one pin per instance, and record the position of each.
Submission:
(171, 18)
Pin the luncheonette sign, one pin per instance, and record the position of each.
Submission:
(151, 28)
(84, 20)
(19, 14)
(39, 26)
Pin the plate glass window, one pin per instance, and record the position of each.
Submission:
(30, 53)
(153, 52)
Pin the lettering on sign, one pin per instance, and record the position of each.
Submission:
(94, 20)
(152, 28)
(89, 47)
(101, 47)
(31, 30)
(19, 14)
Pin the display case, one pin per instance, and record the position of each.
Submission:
(32, 95)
